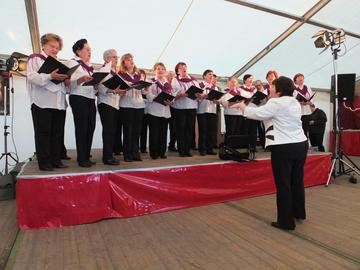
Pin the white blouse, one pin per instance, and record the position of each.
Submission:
(283, 116)
(227, 110)
(183, 102)
(110, 99)
(205, 105)
(133, 97)
(44, 93)
(305, 109)
(79, 90)
(155, 108)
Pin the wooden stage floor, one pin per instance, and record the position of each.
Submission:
(31, 168)
(234, 235)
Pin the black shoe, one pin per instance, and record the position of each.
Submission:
(277, 225)
(46, 168)
(172, 149)
(154, 157)
(188, 155)
(60, 165)
(137, 159)
(128, 160)
(212, 153)
(163, 157)
(182, 155)
(111, 161)
(92, 162)
(202, 153)
(85, 164)
(143, 151)
(65, 157)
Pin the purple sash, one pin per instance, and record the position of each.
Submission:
(251, 90)
(85, 66)
(234, 92)
(164, 88)
(185, 80)
(127, 77)
(34, 55)
(302, 91)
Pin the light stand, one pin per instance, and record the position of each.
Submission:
(6, 154)
(338, 154)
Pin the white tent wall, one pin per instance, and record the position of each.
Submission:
(23, 128)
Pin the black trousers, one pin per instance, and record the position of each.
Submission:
(172, 141)
(132, 122)
(305, 119)
(84, 112)
(48, 130)
(108, 117)
(316, 139)
(287, 162)
(157, 135)
(184, 128)
(207, 123)
(118, 144)
(261, 133)
(250, 129)
(233, 125)
(63, 151)
(144, 133)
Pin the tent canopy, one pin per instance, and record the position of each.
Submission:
(217, 34)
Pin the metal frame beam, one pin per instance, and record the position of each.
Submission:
(31, 13)
(299, 21)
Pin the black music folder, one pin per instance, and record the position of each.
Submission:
(97, 78)
(258, 97)
(116, 81)
(302, 98)
(160, 98)
(237, 98)
(214, 95)
(141, 84)
(51, 64)
(192, 91)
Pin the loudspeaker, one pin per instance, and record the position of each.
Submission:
(346, 86)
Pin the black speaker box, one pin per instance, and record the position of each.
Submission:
(346, 86)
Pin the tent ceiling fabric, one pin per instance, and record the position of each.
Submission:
(214, 34)
(14, 30)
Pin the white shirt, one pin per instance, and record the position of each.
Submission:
(44, 93)
(285, 115)
(133, 98)
(205, 105)
(155, 108)
(305, 109)
(227, 110)
(183, 102)
(79, 90)
(107, 98)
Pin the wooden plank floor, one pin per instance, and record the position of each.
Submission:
(233, 235)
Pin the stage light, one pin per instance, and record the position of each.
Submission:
(325, 38)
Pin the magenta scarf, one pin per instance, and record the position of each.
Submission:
(127, 77)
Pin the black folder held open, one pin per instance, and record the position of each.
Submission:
(237, 98)
(258, 97)
(116, 81)
(51, 64)
(214, 95)
(160, 98)
(302, 98)
(192, 91)
(97, 78)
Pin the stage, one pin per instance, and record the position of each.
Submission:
(82, 195)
